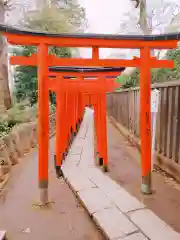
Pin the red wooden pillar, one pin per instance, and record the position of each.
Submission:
(83, 105)
(79, 110)
(59, 129)
(80, 107)
(95, 130)
(43, 122)
(145, 119)
(97, 118)
(98, 134)
(103, 133)
(74, 113)
(70, 116)
(64, 123)
(66, 119)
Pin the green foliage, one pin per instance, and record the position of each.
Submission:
(157, 75)
(69, 17)
(4, 128)
(13, 117)
(26, 76)
(54, 19)
(166, 74)
(128, 81)
(20, 113)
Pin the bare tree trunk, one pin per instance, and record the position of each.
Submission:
(4, 81)
(146, 29)
(42, 3)
(143, 22)
(143, 18)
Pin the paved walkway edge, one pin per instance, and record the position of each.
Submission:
(118, 214)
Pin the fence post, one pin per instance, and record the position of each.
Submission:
(155, 96)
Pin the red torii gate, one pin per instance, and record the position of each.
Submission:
(95, 41)
(96, 86)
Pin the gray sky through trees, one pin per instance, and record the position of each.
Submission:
(104, 16)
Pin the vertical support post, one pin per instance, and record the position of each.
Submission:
(43, 122)
(81, 106)
(104, 132)
(99, 130)
(95, 53)
(70, 113)
(145, 119)
(96, 147)
(59, 129)
(155, 97)
(74, 113)
(97, 118)
(66, 122)
(79, 110)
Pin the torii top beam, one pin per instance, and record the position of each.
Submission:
(161, 41)
(87, 83)
(87, 72)
(95, 41)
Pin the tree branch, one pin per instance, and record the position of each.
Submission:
(137, 3)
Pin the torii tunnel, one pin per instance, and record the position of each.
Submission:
(77, 87)
(98, 88)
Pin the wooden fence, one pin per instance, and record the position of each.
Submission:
(124, 107)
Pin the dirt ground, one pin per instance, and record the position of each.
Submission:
(65, 220)
(125, 170)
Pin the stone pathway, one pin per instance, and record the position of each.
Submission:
(115, 211)
(66, 219)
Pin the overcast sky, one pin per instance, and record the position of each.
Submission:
(104, 16)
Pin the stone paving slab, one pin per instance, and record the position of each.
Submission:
(76, 150)
(153, 226)
(78, 142)
(134, 236)
(120, 197)
(119, 215)
(113, 223)
(73, 159)
(81, 182)
(94, 200)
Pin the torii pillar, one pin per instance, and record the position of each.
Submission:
(43, 122)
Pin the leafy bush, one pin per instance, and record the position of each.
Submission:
(54, 18)
(157, 75)
(127, 81)
(4, 128)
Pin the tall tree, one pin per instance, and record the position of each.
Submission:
(148, 17)
(66, 17)
(5, 96)
(51, 18)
